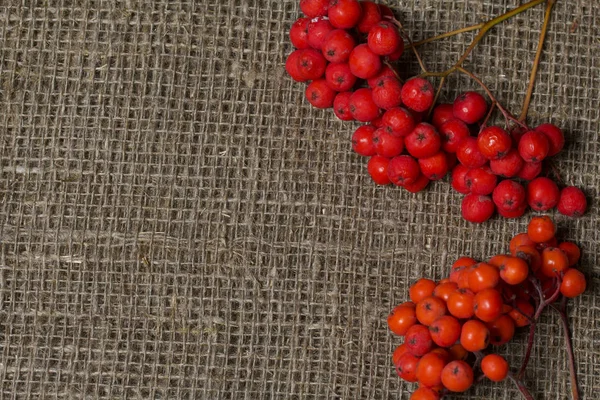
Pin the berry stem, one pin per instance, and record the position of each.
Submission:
(524, 391)
(536, 62)
(437, 95)
(410, 44)
(562, 311)
(449, 34)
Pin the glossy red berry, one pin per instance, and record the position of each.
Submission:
(488, 305)
(481, 180)
(458, 182)
(457, 376)
(299, 33)
(533, 146)
(425, 393)
(530, 171)
(509, 195)
(423, 141)
(371, 15)
(402, 171)
(434, 167)
(494, 367)
(406, 368)
(572, 202)
(319, 94)
(507, 166)
(542, 194)
(311, 64)
(362, 141)
(314, 8)
(452, 133)
(418, 94)
(429, 369)
(386, 93)
(362, 106)
(317, 30)
(418, 340)
(469, 155)
(344, 14)
(556, 138)
(476, 208)
(386, 144)
(363, 62)
(338, 45)
(573, 283)
(339, 77)
(378, 169)
(384, 38)
(470, 107)
(398, 121)
(442, 113)
(494, 142)
(341, 106)
(292, 66)
(445, 331)
(517, 213)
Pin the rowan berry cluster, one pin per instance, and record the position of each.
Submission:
(346, 48)
(447, 326)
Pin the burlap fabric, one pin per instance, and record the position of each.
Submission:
(177, 223)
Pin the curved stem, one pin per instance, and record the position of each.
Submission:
(448, 34)
(565, 324)
(410, 43)
(536, 62)
(437, 96)
(524, 391)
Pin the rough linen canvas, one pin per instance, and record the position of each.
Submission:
(177, 223)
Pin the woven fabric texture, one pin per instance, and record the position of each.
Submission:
(177, 223)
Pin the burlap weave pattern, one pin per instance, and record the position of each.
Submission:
(177, 223)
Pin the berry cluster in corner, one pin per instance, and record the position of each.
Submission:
(447, 326)
(346, 50)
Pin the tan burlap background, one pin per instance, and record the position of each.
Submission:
(177, 223)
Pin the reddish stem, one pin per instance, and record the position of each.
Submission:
(562, 312)
(526, 393)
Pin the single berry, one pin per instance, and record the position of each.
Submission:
(363, 62)
(477, 209)
(386, 144)
(457, 376)
(385, 71)
(483, 276)
(556, 138)
(341, 106)
(402, 318)
(494, 142)
(469, 155)
(386, 93)
(434, 167)
(418, 340)
(338, 45)
(378, 169)
(572, 251)
(530, 170)
(488, 305)
(398, 121)
(514, 270)
(362, 140)
(542, 194)
(520, 239)
(474, 336)
(314, 8)
(445, 331)
(458, 181)
(429, 369)
(429, 309)
(423, 141)
(573, 283)
(444, 289)
(311, 64)
(541, 229)
(572, 202)
(421, 289)
(494, 367)
(292, 66)
(452, 133)
(509, 195)
(502, 330)
(384, 38)
(344, 14)
(418, 94)
(470, 107)
(299, 33)
(319, 94)
(402, 171)
(554, 262)
(442, 113)
(533, 146)
(362, 106)
(318, 30)
(339, 77)
(481, 180)
(371, 15)
(460, 304)
(507, 166)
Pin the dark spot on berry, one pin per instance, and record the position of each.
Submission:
(509, 202)
(434, 329)
(534, 159)
(420, 137)
(314, 95)
(331, 53)
(539, 204)
(340, 79)
(500, 154)
(428, 306)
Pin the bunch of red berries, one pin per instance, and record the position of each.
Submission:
(345, 47)
(448, 325)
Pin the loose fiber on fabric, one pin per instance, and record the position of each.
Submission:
(177, 223)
